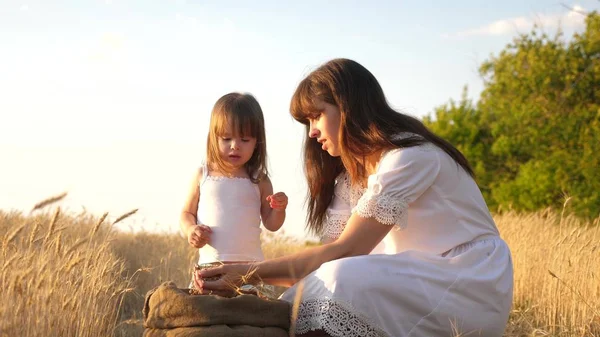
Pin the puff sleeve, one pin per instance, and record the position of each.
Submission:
(401, 177)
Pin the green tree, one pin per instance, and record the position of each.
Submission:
(460, 123)
(534, 136)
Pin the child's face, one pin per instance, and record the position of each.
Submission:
(234, 148)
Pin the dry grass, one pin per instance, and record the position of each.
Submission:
(71, 275)
(557, 265)
(59, 276)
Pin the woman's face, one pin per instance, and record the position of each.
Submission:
(325, 127)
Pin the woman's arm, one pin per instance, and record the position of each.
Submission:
(359, 237)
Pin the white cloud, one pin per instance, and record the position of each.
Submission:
(24, 8)
(522, 24)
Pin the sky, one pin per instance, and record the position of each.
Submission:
(109, 100)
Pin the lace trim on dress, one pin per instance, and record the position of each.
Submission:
(219, 178)
(206, 175)
(336, 318)
(335, 222)
(383, 207)
(350, 194)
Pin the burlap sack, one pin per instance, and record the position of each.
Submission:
(217, 331)
(167, 307)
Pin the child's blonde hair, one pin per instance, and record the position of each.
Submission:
(245, 115)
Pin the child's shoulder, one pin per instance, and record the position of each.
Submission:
(263, 179)
(201, 170)
(264, 183)
(205, 167)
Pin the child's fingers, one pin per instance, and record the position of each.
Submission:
(281, 200)
(278, 200)
(194, 241)
(198, 242)
(203, 236)
(197, 281)
(205, 228)
(196, 237)
(279, 196)
(278, 205)
(276, 195)
(200, 236)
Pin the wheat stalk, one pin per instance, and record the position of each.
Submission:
(98, 224)
(9, 261)
(296, 305)
(52, 225)
(124, 216)
(49, 201)
(73, 263)
(58, 244)
(34, 232)
(576, 292)
(76, 245)
(12, 235)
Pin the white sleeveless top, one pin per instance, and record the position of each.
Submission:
(231, 208)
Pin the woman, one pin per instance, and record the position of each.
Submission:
(418, 254)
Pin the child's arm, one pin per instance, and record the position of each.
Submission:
(197, 235)
(273, 206)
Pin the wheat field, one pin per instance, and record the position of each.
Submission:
(73, 275)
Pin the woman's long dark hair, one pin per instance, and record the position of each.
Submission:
(367, 125)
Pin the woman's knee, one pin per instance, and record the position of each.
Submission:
(344, 271)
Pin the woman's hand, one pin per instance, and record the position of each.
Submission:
(232, 277)
(199, 236)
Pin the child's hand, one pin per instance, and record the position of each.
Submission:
(278, 201)
(199, 236)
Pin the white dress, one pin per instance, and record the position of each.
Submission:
(231, 208)
(442, 271)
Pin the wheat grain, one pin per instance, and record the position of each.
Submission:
(52, 225)
(124, 216)
(49, 201)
